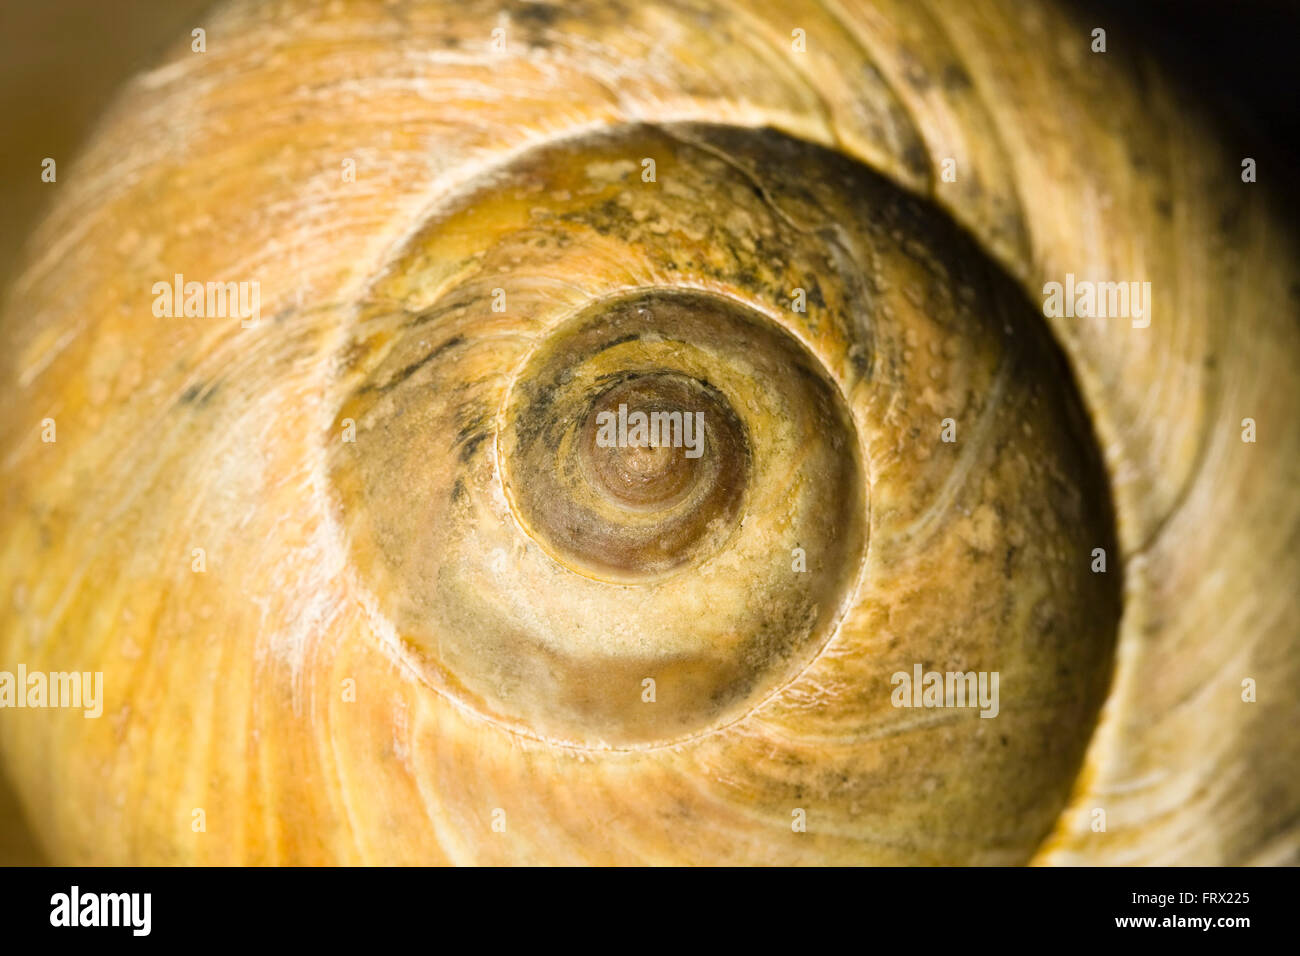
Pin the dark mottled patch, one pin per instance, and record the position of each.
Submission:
(916, 160)
(608, 380)
(536, 14)
(861, 362)
(198, 394)
(955, 78)
(540, 400)
(815, 293)
(473, 426)
(1230, 219)
(630, 337)
(771, 253)
(414, 367)
(607, 217)
(1139, 160)
(470, 446)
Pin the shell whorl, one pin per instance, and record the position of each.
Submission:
(496, 588)
(507, 554)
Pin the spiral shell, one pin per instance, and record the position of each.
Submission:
(438, 619)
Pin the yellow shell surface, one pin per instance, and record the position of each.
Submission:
(343, 569)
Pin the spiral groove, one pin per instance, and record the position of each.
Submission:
(435, 589)
(547, 582)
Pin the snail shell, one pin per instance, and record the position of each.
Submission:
(365, 586)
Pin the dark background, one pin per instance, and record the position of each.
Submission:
(1241, 57)
(61, 60)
